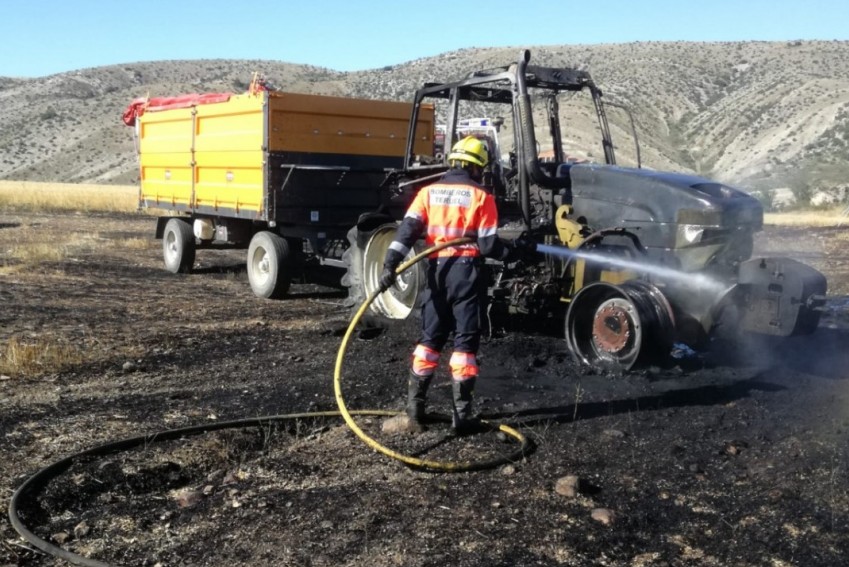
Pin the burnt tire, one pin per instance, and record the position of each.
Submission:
(178, 246)
(618, 327)
(269, 266)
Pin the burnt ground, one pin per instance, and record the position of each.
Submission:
(699, 463)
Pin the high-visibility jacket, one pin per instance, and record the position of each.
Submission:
(453, 207)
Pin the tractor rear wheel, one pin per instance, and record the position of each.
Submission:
(364, 263)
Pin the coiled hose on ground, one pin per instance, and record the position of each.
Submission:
(38, 481)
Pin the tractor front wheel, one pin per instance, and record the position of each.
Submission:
(618, 327)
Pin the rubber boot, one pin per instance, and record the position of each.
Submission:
(417, 396)
(463, 422)
(411, 420)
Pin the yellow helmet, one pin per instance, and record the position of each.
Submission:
(470, 150)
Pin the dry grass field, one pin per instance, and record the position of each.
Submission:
(31, 196)
(38, 250)
(33, 247)
(828, 217)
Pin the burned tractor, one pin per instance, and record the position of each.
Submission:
(634, 260)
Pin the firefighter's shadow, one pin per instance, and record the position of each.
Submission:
(710, 395)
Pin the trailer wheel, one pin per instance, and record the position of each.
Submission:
(619, 326)
(269, 272)
(364, 263)
(178, 246)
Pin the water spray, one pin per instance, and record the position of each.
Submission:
(700, 281)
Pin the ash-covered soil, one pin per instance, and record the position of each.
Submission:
(699, 463)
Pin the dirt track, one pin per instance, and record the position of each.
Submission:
(699, 464)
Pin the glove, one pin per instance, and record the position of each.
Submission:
(387, 278)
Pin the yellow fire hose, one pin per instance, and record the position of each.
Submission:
(444, 466)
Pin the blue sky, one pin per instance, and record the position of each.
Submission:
(42, 37)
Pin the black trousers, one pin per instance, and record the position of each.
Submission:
(453, 301)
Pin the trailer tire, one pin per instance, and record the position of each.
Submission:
(269, 269)
(178, 246)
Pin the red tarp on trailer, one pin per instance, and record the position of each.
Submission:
(141, 105)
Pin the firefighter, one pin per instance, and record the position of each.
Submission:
(455, 206)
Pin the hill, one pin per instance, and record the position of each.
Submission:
(759, 115)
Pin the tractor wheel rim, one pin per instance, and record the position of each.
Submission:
(612, 327)
(399, 300)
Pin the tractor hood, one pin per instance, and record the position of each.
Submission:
(671, 213)
(615, 196)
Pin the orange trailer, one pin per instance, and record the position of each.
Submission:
(285, 175)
